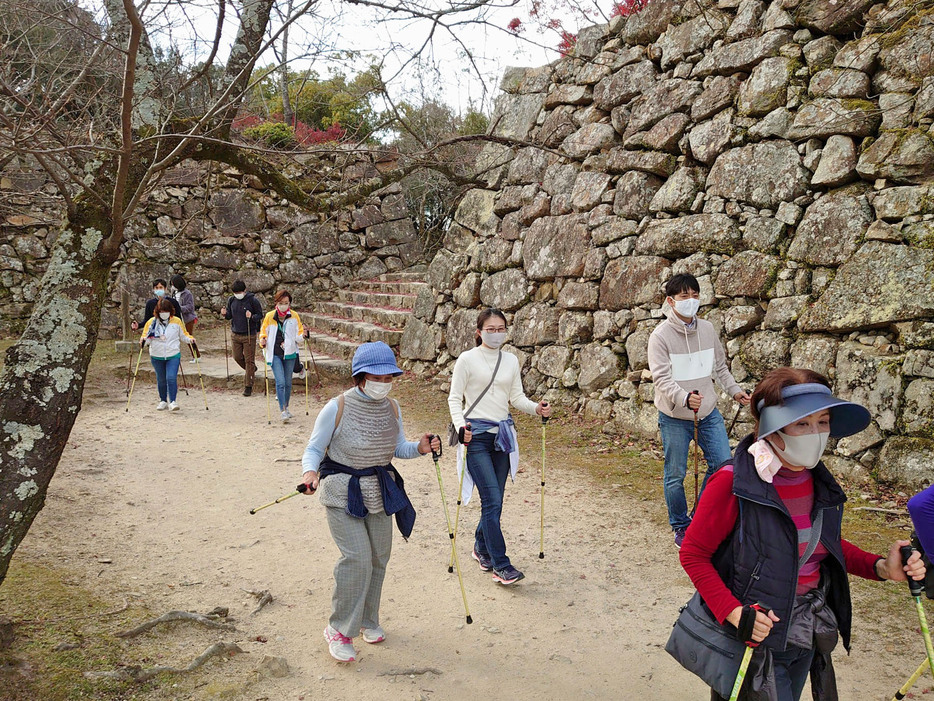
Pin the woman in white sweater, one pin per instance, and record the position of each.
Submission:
(164, 333)
(487, 381)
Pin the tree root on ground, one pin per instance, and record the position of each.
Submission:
(264, 598)
(209, 620)
(138, 674)
(406, 672)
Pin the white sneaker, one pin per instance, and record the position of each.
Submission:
(174, 406)
(288, 414)
(285, 416)
(301, 371)
(339, 645)
(162, 406)
(193, 360)
(373, 635)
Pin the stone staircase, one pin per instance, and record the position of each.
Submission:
(366, 310)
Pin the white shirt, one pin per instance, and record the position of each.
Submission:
(472, 372)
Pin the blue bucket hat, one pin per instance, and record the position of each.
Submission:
(375, 358)
(846, 418)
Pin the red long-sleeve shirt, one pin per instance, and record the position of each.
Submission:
(713, 523)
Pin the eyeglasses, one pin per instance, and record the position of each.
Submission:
(499, 329)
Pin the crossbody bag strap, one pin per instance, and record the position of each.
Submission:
(814, 538)
(476, 401)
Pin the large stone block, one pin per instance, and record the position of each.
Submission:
(634, 193)
(907, 461)
(461, 329)
(621, 160)
(506, 290)
(579, 295)
(588, 190)
(467, 293)
(528, 166)
(628, 82)
(424, 307)
(390, 233)
(492, 254)
(556, 247)
(739, 320)
(747, 274)
(766, 88)
(764, 350)
(713, 233)
(475, 212)
(647, 25)
(837, 164)
(236, 212)
(575, 327)
(665, 135)
(631, 281)
(599, 367)
(764, 174)
(912, 54)
(784, 311)
(826, 116)
(839, 82)
(900, 156)
(838, 17)
(871, 378)
(831, 230)
(441, 270)
(682, 40)
(896, 203)
(591, 138)
(709, 139)
(535, 325)
(763, 233)
(900, 290)
(420, 341)
(741, 56)
(637, 347)
(719, 94)
(678, 192)
(918, 414)
(662, 99)
(553, 360)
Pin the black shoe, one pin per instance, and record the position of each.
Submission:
(508, 575)
(247, 391)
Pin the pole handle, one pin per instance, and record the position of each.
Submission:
(302, 488)
(694, 391)
(915, 586)
(436, 456)
(545, 418)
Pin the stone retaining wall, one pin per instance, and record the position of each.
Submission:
(780, 151)
(213, 228)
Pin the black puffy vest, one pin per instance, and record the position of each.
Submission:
(759, 561)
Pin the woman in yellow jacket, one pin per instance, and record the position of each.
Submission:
(279, 336)
(164, 333)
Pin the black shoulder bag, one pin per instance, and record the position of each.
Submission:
(452, 430)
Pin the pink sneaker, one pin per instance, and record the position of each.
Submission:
(373, 635)
(339, 645)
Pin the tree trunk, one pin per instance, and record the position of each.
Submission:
(288, 115)
(43, 379)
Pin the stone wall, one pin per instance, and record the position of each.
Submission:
(213, 227)
(779, 151)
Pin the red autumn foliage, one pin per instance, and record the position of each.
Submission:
(624, 8)
(515, 24)
(304, 135)
(568, 40)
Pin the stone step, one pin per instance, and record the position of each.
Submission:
(331, 345)
(395, 318)
(357, 331)
(403, 276)
(389, 287)
(377, 299)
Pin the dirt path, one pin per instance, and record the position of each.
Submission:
(166, 498)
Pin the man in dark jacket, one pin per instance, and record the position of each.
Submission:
(159, 287)
(245, 314)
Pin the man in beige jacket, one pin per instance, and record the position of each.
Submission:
(684, 354)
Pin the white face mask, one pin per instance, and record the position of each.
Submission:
(803, 451)
(283, 308)
(164, 315)
(493, 340)
(376, 390)
(159, 293)
(687, 307)
(239, 295)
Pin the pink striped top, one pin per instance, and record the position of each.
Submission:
(796, 490)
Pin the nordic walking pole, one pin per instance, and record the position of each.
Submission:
(129, 395)
(201, 377)
(129, 371)
(460, 578)
(300, 489)
(226, 354)
(541, 541)
(181, 369)
(901, 693)
(695, 453)
(306, 377)
(457, 516)
(747, 655)
(266, 383)
(916, 588)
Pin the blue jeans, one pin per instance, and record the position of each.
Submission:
(282, 371)
(489, 468)
(677, 435)
(792, 668)
(166, 377)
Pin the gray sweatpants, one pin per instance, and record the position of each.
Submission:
(365, 545)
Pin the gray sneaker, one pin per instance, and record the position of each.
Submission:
(679, 537)
(339, 645)
(285, 416)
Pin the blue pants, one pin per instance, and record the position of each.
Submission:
(282, 371)
(489, 468)
(677, 435)
(166, 377)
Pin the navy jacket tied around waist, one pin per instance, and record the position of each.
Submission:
(392, 486)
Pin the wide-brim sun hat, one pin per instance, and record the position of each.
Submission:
(375, 358)
(846, 418)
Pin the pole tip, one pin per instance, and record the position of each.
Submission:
(450, 569)
(469, 620)
(541, 556)
(252, 511)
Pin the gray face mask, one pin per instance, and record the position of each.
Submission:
(376, 390)
(803, 451)
(493, 340)
(239, 295)
(687, 307)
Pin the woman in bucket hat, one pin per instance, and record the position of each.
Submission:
(355, 437)
(774, 506)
